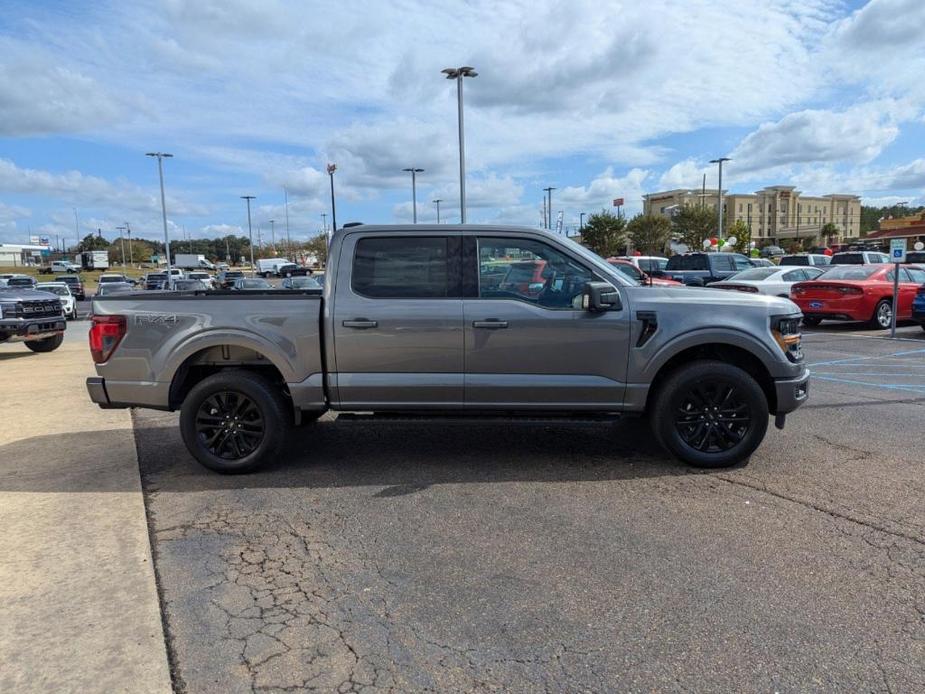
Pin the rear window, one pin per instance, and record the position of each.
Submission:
(19, 282)
(915, 257)
(795, 260)
(652, 264)
(629, 270)
(688, 262)
(848, 259)
(402, 268)
(756, 273)
(850, 273)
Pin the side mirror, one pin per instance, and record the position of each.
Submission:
(600, 297)
(694, 282)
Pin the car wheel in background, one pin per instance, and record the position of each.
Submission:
(883, 314)
(811, 321)
(234, 421)
(49, 344)
(710, 414)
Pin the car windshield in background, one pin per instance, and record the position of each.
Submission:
(756, 273)
(105, 279)
(652, 264)
(20, 282)
(629, 270)
(254, 284)
(60, 291)
(114, 288)
(848, 259)
(795, 260)
(188, 285)
(850, 273)
(303, 283)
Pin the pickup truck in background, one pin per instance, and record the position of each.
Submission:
(31, 316)
(700, 269)
(438, 320)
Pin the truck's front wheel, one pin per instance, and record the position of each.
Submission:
(710, 414)
(49, 344)
(235, 420)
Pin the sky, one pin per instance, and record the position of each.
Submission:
(597, 98)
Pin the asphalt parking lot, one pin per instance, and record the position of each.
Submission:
(422, 556)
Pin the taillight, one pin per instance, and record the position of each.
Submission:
(105, 335)
(850, 290)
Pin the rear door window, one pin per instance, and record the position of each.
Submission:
(406, 267)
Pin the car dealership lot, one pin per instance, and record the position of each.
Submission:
(426, 555)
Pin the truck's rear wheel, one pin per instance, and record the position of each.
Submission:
(49, 344)
(710, 414)
(235, 420)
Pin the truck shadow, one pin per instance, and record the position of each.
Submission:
(398, 458)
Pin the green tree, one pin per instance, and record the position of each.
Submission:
(604, 233)
(693, 224)
(92, 242)
(317, 247)
(649, 233)
(742, 233)
(828, 229)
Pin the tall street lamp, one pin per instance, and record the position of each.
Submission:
(324, 223)
(131, 255)
(273, 234)
(548, 192)
(122, 243)
(288, 238)
(581, 222)
(457, 73)
(160, 170)
(250, 232)
(414, 192)
(437, 203)
(331, 169)
(720, 194)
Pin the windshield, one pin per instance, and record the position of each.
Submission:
(630, 271)
(304, 283)
(795, 260)
(60, 291)
(19, 282)
(848, 259)
(688, 262)
(850, 272)
(114, 288)
(256, 284)
(756, 273)
(111, 278)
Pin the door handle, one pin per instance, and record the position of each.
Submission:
(360, 323)
(490, 324)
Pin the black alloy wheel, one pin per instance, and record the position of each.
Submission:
(712, 416)
(230, 425)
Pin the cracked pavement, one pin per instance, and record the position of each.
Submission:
(424, 556)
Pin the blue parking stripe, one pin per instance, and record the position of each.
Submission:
(905, 388)
(878, 356)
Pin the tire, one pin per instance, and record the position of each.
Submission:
(309, 418)
(883, 315)
(49, 344)
(811, 321)
(685, 403)
(215, 401)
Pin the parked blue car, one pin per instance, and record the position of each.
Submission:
(918, 307)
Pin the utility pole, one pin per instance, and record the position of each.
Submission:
(250, 233)
(324, 223)
(131, 254)
(122, 243)
(720, 193)
(437, 203)
(703, 191)
(581, 222)
(414, 192)
(77, 230)
(273, 234)
(457, 73)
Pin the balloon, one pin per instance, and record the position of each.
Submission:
(918, 245)
(827, 251)
(637, 253)
(752, 245)
(714, 241)
(707, 243)
(755, 253)
(731, 240)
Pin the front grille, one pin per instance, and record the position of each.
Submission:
(40, 309)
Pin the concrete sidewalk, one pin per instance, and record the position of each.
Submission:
(78, 602)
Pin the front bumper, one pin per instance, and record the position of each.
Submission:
(792, 392)
(15, 330)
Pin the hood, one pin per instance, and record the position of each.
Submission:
(718, 298)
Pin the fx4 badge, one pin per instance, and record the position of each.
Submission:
(169, 319)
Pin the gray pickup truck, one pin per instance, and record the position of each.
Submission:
(31, 316)
(453, 321)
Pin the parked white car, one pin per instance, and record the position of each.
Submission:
(806, 259)
(68, 301)
(774, 281)
(203, 277)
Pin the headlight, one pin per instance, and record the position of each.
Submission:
(8, 309)
(786, 331)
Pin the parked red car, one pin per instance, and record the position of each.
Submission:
(634, 273)
(858, 293)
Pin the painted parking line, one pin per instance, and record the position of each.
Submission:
(902, 387)
(849, 360)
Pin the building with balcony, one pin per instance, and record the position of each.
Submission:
(776, 214)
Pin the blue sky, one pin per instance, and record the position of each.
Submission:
(599, 99)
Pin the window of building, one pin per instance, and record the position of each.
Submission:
(401, 268)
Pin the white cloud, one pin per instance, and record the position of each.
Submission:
(685, 174)
(601, 192)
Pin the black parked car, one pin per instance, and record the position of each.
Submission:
(76, 285)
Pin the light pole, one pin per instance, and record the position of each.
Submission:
(131, 254)
(437, 203)
(548, 192)
(324, 223)
(250, 231)
(273, 234)
(719, 192)
(331, 169)
(288, 237)
(160, 170)
(581, 222)
(77, 230)
(457, 73)
(122, 243)
(414, 192)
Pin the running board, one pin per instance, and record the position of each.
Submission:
(457, 417)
